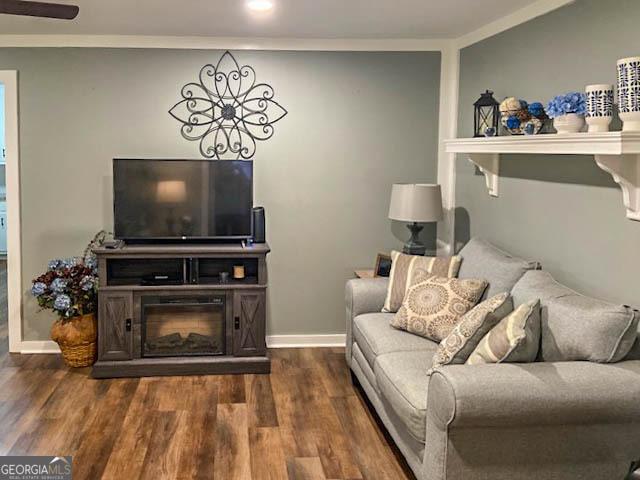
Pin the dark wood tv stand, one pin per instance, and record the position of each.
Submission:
(168, 275)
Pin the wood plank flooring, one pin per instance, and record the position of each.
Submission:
(304, 421)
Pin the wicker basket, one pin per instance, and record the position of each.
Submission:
(82, 355)
(76, 338)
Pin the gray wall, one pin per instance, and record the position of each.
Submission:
(563, 211)
(357, 123)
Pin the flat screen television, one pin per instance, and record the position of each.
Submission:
(182, 199)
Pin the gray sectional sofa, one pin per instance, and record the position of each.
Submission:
(543, 420)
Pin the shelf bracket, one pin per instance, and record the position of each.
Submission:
(625, 170)
(489, 165)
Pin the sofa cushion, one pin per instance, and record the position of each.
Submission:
(407, 270)
(480, 259)
(576, 327)
(403, 384)
(375, 336)
(515, 339)
(432, 307)
(472, 328)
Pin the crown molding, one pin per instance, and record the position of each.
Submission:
(537, 9)
(222, 43)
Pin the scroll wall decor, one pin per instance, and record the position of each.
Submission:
(226, 110)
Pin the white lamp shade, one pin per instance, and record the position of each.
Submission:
(415, 202)
(171, 191)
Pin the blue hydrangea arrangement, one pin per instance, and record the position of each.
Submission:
(69, 287)
(572, 102)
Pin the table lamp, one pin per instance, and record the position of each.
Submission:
(415, 203)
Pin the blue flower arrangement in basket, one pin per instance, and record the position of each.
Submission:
(69, 287)
(568, 112)
(519, 117)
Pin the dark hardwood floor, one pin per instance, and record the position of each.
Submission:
(304, 421)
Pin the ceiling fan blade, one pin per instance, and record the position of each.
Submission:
(39, 9)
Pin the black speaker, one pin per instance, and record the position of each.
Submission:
(258, 225)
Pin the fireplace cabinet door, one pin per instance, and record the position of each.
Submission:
(249, 314)
(115, 336)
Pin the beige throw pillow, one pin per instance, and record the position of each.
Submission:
(407, 270)
(515, 339)
(474, 325)
(432, 308)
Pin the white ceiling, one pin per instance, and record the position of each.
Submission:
(355, 19)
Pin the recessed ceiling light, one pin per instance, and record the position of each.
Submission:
(260, 5)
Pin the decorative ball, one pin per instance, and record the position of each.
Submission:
(513, 122)
(510, 104)
(523, 115)
(536, 109)
(532, 127)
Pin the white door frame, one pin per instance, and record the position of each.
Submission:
(9, 78)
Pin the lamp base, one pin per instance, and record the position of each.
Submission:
(414, 246)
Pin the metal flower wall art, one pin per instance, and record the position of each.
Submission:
(227, 111)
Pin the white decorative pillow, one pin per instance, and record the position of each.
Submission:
(467, 334)
(433, 307)
(515, 339)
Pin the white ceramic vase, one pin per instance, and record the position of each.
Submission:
(569, 123)
(599, 107)
(629, 93)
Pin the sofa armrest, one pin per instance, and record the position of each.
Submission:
(509, 395)
(363, 295)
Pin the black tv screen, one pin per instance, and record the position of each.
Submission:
(182, 199)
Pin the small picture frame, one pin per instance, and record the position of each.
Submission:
(383, 265)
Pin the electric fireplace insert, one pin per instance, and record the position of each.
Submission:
(183, 325)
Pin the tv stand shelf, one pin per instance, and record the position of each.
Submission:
(188, 271)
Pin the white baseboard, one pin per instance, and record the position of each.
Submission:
(293, 341)
(273, 341)
(38, 346)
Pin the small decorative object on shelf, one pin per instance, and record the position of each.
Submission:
(518, 117)
(629, 93)
(599, 107)
(69, 287)
(568, 112)
(238, 272)
(485, 115)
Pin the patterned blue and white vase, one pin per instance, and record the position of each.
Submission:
(599, 107)
(629, 93)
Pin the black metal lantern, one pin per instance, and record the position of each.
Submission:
(486, 115)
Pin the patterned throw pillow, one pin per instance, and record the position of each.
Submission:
(432, 308)
(473, 326)
(515, 339)
(407, 270)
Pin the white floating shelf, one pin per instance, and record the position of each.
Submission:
(617, 153)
